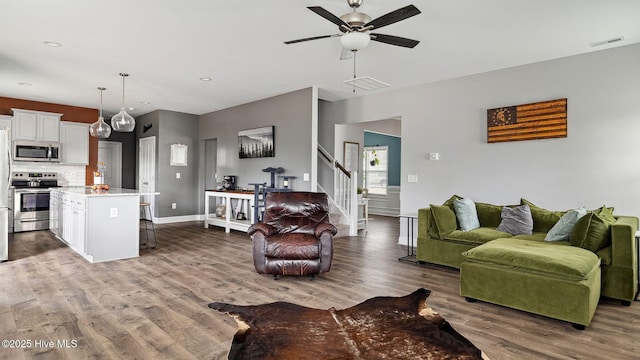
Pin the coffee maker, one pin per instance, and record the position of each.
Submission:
(229, 182)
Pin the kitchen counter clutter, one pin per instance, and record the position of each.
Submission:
(98, 225)
(87, 191)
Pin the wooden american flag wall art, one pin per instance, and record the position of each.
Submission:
(541, 120)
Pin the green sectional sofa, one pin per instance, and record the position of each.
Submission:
(601, 256)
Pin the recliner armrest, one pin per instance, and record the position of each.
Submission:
(322, 227)
(266, 229)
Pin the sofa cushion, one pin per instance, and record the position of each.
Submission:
(605, 255)
(450, 201)
(466, 214)
(543, 219)
(489, 214)
(476, 236)
(444, 219)
(568, 262)
(591, 232)
(516, 220)
(563, 228)
(536, 236)
(606, 213)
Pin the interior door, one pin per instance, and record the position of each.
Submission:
(147, 171)
(110, 154)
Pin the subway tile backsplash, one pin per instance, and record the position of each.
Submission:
(69, 175)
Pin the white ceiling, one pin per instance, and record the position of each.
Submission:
(166, 46)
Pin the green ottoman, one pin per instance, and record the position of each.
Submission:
(550, 279)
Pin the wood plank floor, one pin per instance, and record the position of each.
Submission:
(155, 306)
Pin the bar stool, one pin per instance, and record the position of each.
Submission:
(145, 206)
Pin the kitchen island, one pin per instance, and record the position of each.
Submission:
(98, 225)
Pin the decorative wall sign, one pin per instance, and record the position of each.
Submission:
(256, 143)
(541, 120)
(178, 155)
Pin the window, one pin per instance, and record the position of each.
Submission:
(375, 165)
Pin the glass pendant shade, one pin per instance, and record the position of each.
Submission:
(100, 129)
(122, 121)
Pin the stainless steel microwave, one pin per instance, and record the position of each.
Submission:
(25, 150)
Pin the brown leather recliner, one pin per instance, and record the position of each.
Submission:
(295, 236)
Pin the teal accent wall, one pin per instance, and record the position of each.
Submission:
(393, 142)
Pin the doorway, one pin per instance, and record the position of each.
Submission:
(147, 171)
(210, 166)
(110, 154)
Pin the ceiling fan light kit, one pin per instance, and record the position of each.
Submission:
(122, 121)
(355, 28)
(355, 41)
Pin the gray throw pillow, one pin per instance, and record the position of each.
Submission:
(466, 214)
(563, 228)
(516, 220)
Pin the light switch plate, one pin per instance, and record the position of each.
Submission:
(412, 178)
(114, 212)
(305, 176)
(434, 156)
(177, 175)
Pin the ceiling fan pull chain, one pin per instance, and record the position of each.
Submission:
(354, 71)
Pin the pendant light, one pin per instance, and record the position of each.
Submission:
(100, 129)
(122, 121)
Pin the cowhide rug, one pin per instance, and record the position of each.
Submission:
(379, 328)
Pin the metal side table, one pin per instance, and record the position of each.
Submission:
(411, 256)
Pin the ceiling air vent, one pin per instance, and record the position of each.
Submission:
(606, 42)
(366, 83)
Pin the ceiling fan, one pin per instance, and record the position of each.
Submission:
(355, 27)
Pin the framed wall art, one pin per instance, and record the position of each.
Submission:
(256, 143)
(541, 120)
(178, 155)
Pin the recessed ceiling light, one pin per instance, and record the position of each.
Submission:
(606, 42)
(24, 84)
(52, 43)
(131, 108)
(205, 78)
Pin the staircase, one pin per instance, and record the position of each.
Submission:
(344, 203)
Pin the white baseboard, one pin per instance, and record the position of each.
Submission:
(176, 219)
(402, 240)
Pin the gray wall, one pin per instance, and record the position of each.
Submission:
(174, 128)
(598, 163)
(290, 114)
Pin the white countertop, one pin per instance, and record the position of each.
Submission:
(88, 192)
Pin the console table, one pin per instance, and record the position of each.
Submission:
(234, 201)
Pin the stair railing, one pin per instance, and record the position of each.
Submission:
(345, 190)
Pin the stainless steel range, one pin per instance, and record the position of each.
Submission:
(31, 199)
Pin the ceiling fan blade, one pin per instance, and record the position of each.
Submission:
(393, 17)
(310, 38)
(329, 16)
(394, 40)
(346, 54)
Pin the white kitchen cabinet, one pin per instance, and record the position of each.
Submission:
(74, 143)
(55, 210)
(98, 225)
(36, 125)
(67, 219)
